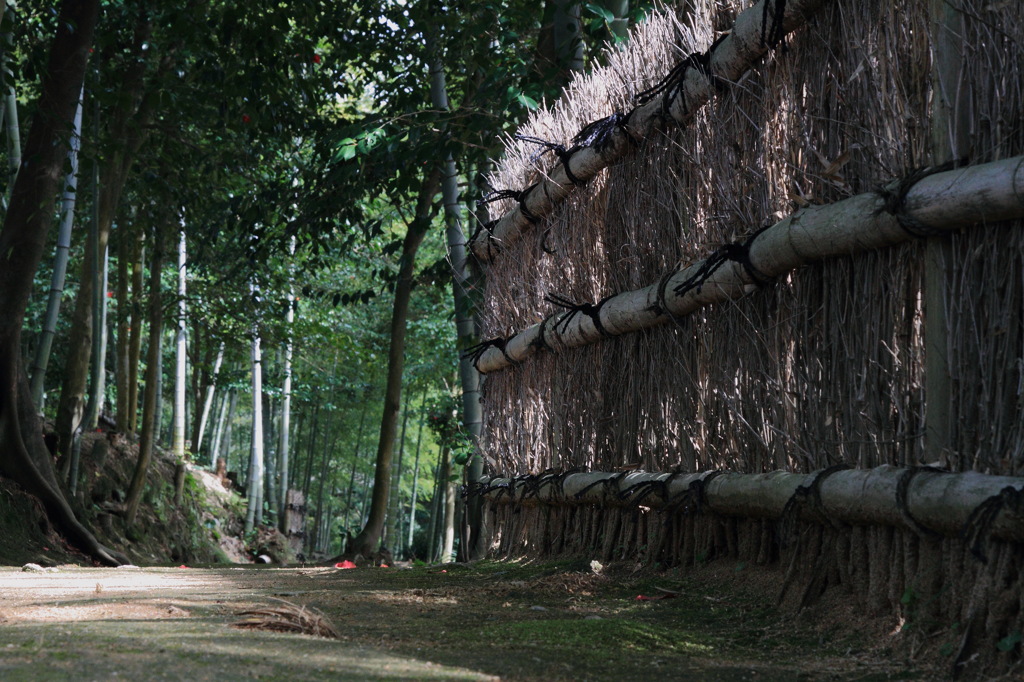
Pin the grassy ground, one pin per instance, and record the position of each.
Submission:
(488, 621)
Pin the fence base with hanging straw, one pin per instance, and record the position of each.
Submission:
(923, 499)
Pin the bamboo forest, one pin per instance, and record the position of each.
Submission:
(512, 340)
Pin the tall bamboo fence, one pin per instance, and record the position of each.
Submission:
(824, 366)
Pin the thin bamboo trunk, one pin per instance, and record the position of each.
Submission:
(180, 355)
(225, 447)
(208, 401)
(135, 335)
(435, 511)
(60, 262)
(283, 453)
(355, 461)
(150, 402)
(447, 549)
(122, 367)
(472, 411)
(416, 470)
(254, 488)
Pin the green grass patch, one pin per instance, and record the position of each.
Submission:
(607, 636)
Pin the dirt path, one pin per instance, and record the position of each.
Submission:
(491, 621)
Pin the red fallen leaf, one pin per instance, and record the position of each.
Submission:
(345, 564)
(384, 566)
(664, 595)
(183, 566)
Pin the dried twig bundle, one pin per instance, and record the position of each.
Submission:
(288, 617)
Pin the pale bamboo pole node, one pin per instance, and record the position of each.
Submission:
(686, 88)
(926, 203)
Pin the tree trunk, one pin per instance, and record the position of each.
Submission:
(416, 470)
(225, 445)
(436, 509)
(472, 411)
(135, 336)
(208, 404)
(98, 384)
(128, 127)
(150, 398)
(283, 454)
(448, 546)
(125, 245)
(369, 538)
(567, 37)
(254, 513)
(60, 264)
(355, 462)
(23, 456)
(394, 532)
(180, 357)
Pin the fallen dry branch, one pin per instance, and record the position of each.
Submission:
(924, 204)
(288, 617)
(673, 101)
(923, 499)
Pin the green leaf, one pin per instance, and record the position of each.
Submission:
(605, 14)
(527, 101)
(1009, 642)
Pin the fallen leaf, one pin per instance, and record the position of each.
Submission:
(345, 564)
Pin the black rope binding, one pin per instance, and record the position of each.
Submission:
(808, 494)
(671, 86)
(645, 488)
(978, 527)
(694, 498)
(598, 134)
(558, 150)
(737, 252)
(518, 196)
(775, 13)
(611, 485)
(541, 342)
(894, 200)
(902, 492)
(474, 353)
(591, 310)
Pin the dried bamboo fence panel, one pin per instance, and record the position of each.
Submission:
(826, 366)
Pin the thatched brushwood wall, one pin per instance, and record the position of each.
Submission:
(823, 367)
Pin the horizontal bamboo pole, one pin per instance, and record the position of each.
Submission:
(933, 204)
(924, 500)
(727, 62)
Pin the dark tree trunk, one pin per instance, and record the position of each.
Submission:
(23, 456)
(149, 400)
(369, 538)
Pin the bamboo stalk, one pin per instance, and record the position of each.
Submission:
(940, 202)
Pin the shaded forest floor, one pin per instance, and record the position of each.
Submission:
(493, 620)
